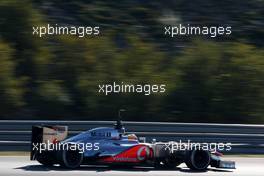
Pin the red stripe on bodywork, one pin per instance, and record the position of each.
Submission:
(135, 154)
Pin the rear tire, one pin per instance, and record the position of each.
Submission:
(45, 158)
(70, 159)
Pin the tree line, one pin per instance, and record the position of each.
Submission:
(57, 77)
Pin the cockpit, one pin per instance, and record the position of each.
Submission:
(132, 137)
(111, 133)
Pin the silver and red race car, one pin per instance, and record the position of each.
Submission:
(112, 146)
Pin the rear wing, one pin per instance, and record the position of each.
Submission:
(48, 135)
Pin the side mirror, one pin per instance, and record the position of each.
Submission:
(142, 139)
(154, 141)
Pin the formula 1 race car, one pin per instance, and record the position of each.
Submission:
(112, 146)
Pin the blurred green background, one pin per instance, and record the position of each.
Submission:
(208, 79)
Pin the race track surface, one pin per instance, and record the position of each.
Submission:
(21, 165)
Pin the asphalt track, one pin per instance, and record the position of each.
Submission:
(21, 165)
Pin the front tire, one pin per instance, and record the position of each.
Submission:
(197, 159)
(171, 162)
